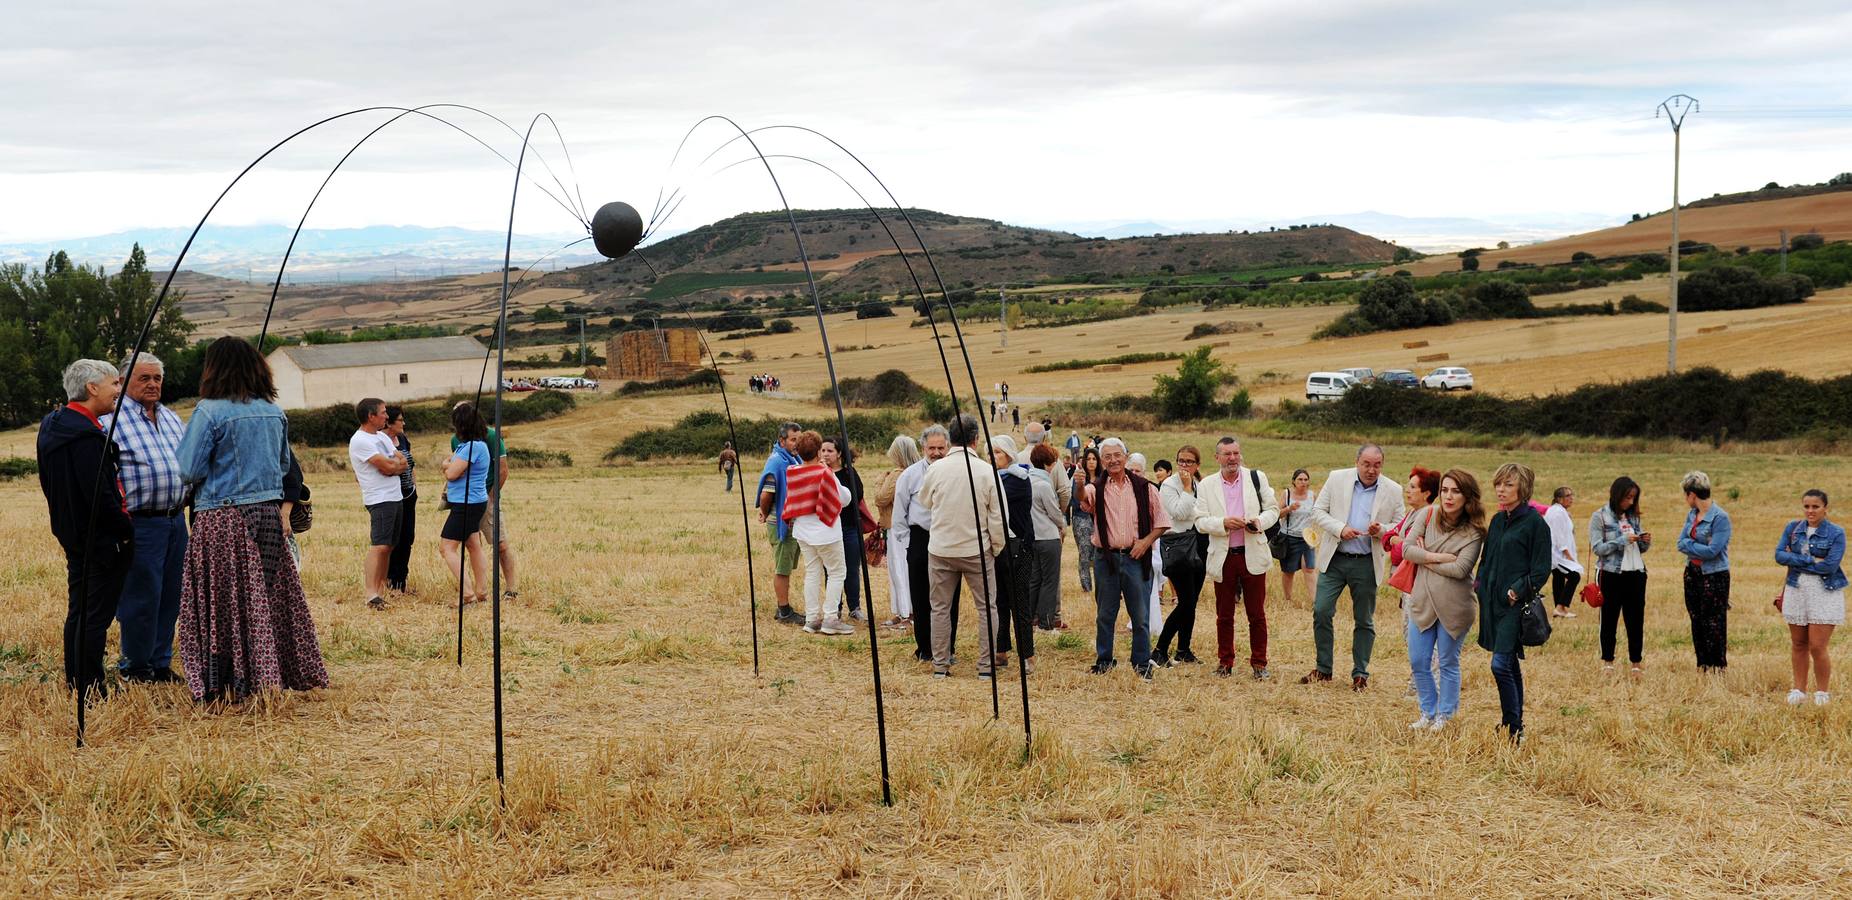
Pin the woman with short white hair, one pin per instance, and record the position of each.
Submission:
(902, 452)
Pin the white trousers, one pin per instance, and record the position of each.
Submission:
(824, 570)
(900, 597)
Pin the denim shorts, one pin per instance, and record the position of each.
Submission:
(1298, 555)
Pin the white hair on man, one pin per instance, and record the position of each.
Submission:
(1113, 442)
(78, 376)
(1033, 433)
(935, 429)
(145, 359)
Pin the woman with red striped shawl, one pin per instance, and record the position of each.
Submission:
(813, 505)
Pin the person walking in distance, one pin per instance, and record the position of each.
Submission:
(1187, 548)
(148, 434)
(916, 518)
(1620, 545)
(78, 473)
(1128, 519)
(964, 542)
(398, 565)
(1813, 599)
(1351, 511)
(729, 460)
(1236, 507)
(1565, 568)
(377, 463)
(772, 492)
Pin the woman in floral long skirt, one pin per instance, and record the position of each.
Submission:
(244, 623)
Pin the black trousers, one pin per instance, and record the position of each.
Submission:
(1016, 596)
(1707, 598)
(399, 563)
(1623, 596)
(1181, 623)
(919, 585)
(1563, 584)
(91, 606)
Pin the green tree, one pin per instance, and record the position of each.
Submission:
(64, 311)
(1469, 263)
(1189, 394)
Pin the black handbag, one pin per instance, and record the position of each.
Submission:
(1180, 552)
(1533, 622)
(301, 516)
(1276, 536)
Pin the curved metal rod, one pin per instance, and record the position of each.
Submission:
(277, 285)
(952, 315)
(851, 518)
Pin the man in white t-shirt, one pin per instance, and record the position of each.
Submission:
(376, 462)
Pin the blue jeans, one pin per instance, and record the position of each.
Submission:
(150, 602)
(1440, 699)
(1510, 677)
(1118, 577)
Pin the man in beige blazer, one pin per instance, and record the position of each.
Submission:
(1236, 517)
(1350, 514)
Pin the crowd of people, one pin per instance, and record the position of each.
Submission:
(184, 531)
(951, 520)
(762, 383)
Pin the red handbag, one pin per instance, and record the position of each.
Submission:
(1591, 594)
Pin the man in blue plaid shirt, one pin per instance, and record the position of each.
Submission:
(148, 434)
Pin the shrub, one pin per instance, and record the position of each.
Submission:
(1633, 304)
(12, 467)
(873, 310)
(1581, 256)
(782, 326)
(529, 458)
(701, 435)
(700, 378)
(1699, 404)
(332, 426)
(1469, 264)
(1124, 359)
(1740, 287)
(890, 388)
(1189, 394)
(1808, 241)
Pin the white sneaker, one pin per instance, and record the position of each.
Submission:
(836, 626)
(1820, 698)
(1797, 697)
(1422, 724)
(1439, 723)
(813, 626)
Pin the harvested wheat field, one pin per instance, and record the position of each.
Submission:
(644, 757)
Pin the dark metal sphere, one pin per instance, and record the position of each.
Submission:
(616, 229)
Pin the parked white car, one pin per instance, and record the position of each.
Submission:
(1449, 378)
(1327, 385)
(1360, 374)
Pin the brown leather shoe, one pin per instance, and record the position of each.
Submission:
(1313, 677)
(1359, 682)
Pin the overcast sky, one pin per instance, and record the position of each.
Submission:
(120, 115)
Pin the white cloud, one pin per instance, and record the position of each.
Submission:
(137, 114)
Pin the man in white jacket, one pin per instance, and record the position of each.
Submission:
(1350, 514)
(1235, 507)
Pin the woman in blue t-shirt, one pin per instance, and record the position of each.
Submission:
(467, 474)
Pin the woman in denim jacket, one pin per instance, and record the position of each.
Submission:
(1814, 599)
(244, 623)
(1705, 542)
(1615, 536)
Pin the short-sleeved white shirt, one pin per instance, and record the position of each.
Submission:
(375, 487)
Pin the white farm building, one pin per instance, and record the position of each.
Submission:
(327, 374)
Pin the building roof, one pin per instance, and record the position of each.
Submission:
(382, 353)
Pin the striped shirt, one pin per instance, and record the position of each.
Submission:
(150, 469)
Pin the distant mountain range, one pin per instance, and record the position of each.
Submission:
(1436, 234)
(321, 255)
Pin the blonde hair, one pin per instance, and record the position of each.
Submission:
(1518, 474)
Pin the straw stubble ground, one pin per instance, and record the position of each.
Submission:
(645, 758)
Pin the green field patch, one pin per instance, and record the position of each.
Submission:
(681, 283)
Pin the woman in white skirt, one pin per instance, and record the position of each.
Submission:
(903, 453)
(1813, 601)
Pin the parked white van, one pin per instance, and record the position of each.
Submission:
(1327, 385)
